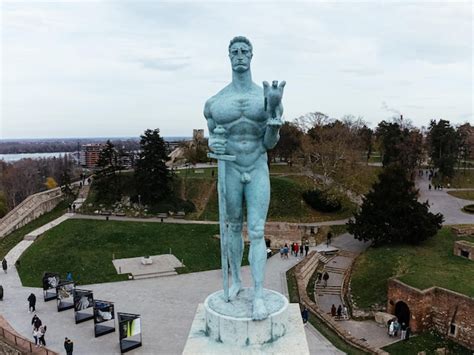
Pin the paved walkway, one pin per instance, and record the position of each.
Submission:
(167, 306)
(442, 202)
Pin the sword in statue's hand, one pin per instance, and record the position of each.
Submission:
(219, 138)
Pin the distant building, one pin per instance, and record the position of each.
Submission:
(90, 154)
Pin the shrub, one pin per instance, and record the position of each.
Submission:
(322, 200)
(468, 208)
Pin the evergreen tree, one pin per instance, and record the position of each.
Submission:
(392, 214)
(444, 144)
(151, 174)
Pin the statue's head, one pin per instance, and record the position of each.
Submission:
(240, 54)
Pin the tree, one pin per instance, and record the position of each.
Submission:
(3, 205)
(466, 144)
(443, 143)
(152, 175)
(400, 144)
(107, 181)
(391, 213)
(50, 183)
(290, 142)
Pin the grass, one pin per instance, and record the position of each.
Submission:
(286, 203)
(85, 247)
(465, 195)
(327, 332)
(12, 239)
(462, 179)
(429, 264)
(427, 341)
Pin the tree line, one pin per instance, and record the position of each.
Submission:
(25, 177)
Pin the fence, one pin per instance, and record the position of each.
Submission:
(22, 344)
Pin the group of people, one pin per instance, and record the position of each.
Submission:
(394, 327)
(339, 312)
(39, 330)
(296, 249)
(323, 277)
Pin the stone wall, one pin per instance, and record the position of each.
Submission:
(435, 308)
(303, 272)
(6, 349)
(30, 209)
(464, 249)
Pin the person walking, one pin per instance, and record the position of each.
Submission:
(36, 322)
(36, 335)
(301, 249)
(391, 329)
(305, 315)
(306, 249)
(339, 312)
(1, 293)
(404, 331)
(4, 265)
(325, 279)
(328, 239)
(42, 332)
(333, 310)
(68, 346)
(31, 302)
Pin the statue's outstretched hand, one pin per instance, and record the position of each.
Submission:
(217, 140)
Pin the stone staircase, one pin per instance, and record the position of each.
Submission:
(334, 270)
(328, 290)
(151, 275)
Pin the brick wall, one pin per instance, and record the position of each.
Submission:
(435, 308)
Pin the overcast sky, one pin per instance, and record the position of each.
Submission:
(116, 68)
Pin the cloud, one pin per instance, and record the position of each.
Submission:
(165, 64)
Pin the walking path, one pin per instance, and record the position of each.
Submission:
(167, 306)
(442, 202)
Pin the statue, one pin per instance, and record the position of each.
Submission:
(244, 122)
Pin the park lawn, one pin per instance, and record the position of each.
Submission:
(427, 341)
(462, 179)
(286, 203)
(429, 264)
(86, 247)
(12, 239)
(464, 194)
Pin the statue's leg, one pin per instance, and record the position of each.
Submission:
(234, 196)
(257, 196)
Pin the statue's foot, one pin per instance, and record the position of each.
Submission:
(259, 311)
(234, 290)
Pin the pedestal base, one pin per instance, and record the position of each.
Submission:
(231, 322)
(292, 342)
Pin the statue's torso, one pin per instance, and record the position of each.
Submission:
(243, 117)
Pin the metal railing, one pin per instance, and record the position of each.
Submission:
(22, 344)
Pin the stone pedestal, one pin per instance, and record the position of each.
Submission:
(227, 327)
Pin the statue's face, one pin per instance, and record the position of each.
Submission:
(240, 56)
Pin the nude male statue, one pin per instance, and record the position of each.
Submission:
(244, 121)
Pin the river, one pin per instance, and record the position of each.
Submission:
(15, 157)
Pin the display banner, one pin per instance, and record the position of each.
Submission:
(50, 282)
(130, 331)
(65, 295)
(104, 317)
(83, 305)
